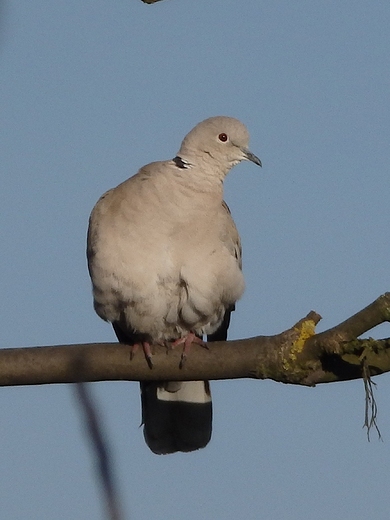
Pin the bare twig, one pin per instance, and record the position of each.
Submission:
(94, 428)
(371, 409)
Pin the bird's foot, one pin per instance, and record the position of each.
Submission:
(187, 341)
(146, 349)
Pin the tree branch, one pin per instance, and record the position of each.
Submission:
(296, 356)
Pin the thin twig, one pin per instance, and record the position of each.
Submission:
(371, 409)
(94, 428)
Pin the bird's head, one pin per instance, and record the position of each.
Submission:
(220, 142)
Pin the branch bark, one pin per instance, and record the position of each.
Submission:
(296, 356)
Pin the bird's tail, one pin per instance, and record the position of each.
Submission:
(177, 416)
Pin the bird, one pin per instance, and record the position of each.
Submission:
(164, 257)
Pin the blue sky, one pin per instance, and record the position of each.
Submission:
(91, 91)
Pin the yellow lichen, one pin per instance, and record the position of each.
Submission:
(305, 330)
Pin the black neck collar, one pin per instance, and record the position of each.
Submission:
(180, 163)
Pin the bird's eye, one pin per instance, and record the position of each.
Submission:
(223, 137)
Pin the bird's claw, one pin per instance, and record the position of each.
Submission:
(187, 340)
(147, 352)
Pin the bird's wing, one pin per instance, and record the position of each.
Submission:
(231, 239)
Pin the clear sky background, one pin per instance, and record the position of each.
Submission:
(92, 90)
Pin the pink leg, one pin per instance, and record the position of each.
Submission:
(147, 351)
(187, 340)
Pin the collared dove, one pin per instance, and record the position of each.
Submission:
(164, 256)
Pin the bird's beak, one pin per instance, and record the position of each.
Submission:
(249, 156)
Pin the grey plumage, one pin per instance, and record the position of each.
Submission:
(164, 257)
